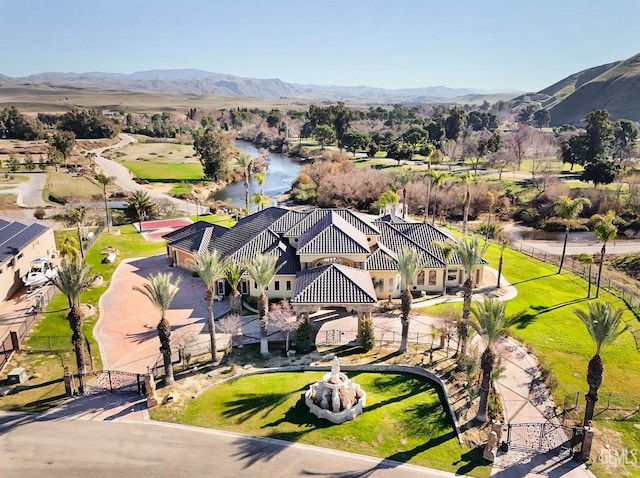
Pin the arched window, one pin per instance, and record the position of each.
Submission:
(420, 279)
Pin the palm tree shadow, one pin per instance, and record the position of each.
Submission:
(533, 279)
(248, 405)
(150, 334)
(527, 319)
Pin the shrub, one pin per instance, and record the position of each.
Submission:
(39, 213)
(368, 338)
(303, 337)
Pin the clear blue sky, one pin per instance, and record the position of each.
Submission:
(524, 45)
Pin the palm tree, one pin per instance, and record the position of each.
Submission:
(568, 209)
(503, 243)
(437, 179)
(72, 280)
(142, 205)
(447, 248)
(426, 206)
(404, 178)
(603, 323)
(233, 273)
(585, 258)
(245, 162)
(75, 217)
(209, 267)
(262, 270)
(466, 178)
(261, 179)
(105, 181)
(605, 230)
(470, 253)
(491, 324)
(160, 291)
(408, 267)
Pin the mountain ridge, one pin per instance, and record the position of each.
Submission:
(195, 81)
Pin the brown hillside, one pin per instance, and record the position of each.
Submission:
(614, 87)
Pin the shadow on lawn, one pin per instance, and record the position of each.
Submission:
(533, 279)
(528, 318)
(248, 405)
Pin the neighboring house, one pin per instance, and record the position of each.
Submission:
(329, 257)
(19, 245)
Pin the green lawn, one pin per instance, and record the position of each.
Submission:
(403, 418)
(162, 171)
(556, 335)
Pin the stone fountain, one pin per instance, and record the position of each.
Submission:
(335, 397)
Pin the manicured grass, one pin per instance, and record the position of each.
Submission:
(161, 171)
(403, 419)
(129, 244)
(558, 336)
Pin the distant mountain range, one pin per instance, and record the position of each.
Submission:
(199, 82)
(614, 87)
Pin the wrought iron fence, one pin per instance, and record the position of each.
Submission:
(610, 406)
(6, 350)
(629, 294)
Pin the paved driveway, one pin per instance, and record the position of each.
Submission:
(126, 331)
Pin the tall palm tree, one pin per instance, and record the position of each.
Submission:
(447, 248)
(262, 270)
(587, 259)
(605, 230)
(142, 205)
(470, 253)
(75, 217)
(466, 178)
(437, 179)
(568, 209)
(426, 205)
(245, 162)
(408, 267)
(491, 324)
(72, 280)
(603, 322)
(160, 290)
(404, 178)
(105, 181)
(233, 272)
(261, 179)
(210, 267)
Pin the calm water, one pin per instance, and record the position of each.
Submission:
(282, 171)
(535, 235)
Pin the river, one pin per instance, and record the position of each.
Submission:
(282, 171)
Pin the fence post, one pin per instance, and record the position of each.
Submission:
(110, 384)
(15, 340)
(50, 346)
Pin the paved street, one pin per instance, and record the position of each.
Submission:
(63, 447)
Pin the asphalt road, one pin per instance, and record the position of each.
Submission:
(124, 179)
(32, 445)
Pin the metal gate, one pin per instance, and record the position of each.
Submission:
(544, 437)
(113, 381)
(333, 336)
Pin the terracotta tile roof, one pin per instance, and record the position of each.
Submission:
(333, 284)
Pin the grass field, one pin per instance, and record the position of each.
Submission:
(71, 186)
(403, 418)
(557, 336)
(160, 161)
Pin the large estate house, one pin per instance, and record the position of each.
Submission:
(327, 257)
